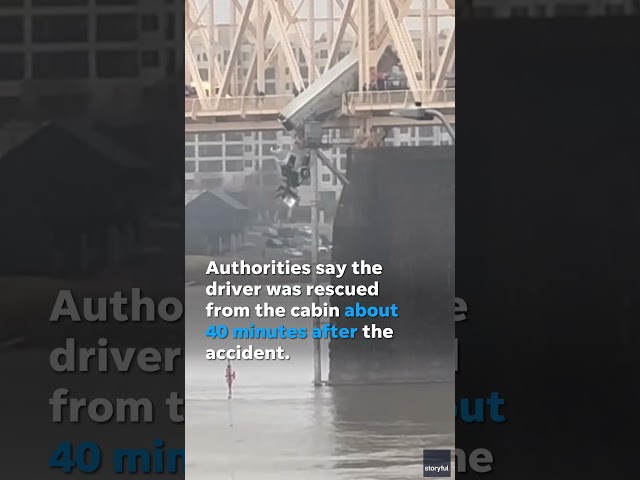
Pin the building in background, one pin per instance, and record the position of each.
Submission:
(243, 162)
(215, 223)
(64, 221)
(85, 56)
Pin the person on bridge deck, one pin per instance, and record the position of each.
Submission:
(230, 376)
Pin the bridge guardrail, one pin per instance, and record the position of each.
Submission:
(245, 105)
(386, 98)
(262, 103)
(352, 102)
(191, 106)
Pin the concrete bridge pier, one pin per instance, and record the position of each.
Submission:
(399, 212)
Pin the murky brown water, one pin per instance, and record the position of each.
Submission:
(289, 432)
(278, 426)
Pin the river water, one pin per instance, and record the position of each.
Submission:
(278, 426)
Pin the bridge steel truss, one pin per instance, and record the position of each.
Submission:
(368, 26)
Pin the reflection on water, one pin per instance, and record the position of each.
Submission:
(289, 432)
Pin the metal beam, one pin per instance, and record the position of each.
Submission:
(445, 60)
(192, 25)
(330, 25)
(276, 46)
(235, 49)
(287, 49)
(192, 19)
(253, 68)
(212, 61)
(239, 9)
(404, 45)
(306, 43)
(259, 45)
(426, 57)
(400, 10)
(342, 27)
(311, 56)
(327, 162)
(351, 20)
(363, 43)
(343, 122)
(192, 69)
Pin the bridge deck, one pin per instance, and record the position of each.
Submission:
(233, 124)
(386, 100)
(266, 108)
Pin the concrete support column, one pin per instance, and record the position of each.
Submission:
(418, 266)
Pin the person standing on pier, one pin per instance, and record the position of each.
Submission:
(230, 376)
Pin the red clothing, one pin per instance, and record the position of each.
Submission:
(230, 375)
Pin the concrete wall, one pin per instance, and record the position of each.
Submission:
(399, 212)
